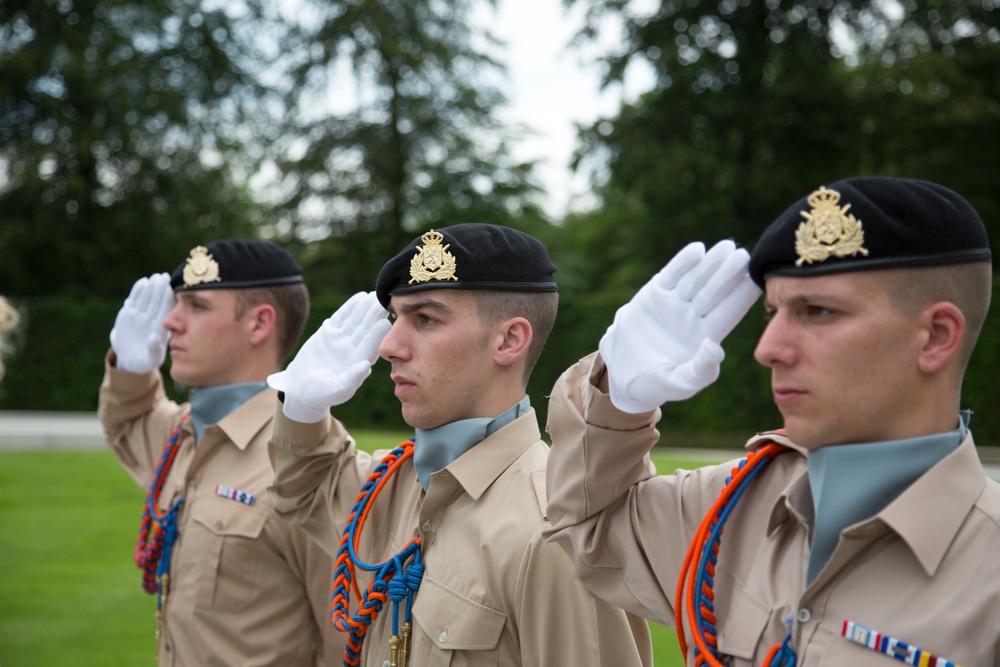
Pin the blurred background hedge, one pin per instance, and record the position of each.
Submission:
(58, 364)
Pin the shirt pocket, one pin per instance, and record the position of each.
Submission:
(748, 617)
(461, 631)
(225, 535)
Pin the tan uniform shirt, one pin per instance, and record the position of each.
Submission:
(924, 570)
(245, 587)
(493, 591)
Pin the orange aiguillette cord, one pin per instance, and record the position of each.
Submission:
(695, 597)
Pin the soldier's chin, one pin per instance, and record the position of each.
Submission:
(180, 377)
(802, 436)
(416, 419)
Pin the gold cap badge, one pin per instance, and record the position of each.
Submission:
(828, 230)
(433, 261)
(201, 267)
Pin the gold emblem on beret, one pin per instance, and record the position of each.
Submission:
(828, 229)
(433, 261)
(201, 267)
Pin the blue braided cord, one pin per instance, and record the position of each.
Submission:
(414, 574)
(391, 576)
(393, 592)
(402, 587)
(378, 586)
(334, 605)
(785, 657)
(168, 519)
(169, 536)
(151, 505)
(164, 457)
(739, 466)
(714, 538)
(386, 570)
(397, 593)
(352, 526)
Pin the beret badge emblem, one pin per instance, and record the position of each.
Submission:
(432, 261)
(201, 268)
(828, 230)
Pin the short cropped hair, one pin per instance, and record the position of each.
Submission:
(539, 308)
(291, 304)
(968, 286)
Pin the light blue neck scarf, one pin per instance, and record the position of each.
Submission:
(435, 448)
(850, 483)
(209, 405)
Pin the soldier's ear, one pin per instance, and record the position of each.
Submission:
(261, 321)
(943, 326)
(513, 339)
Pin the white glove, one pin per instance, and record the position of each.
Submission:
(335, 360)
(664, 344)
(138, 337)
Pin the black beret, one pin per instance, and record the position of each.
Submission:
(866, 223)
(236, 264)
(471, 256)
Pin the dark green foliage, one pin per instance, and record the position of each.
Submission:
(128, 132)
(757, 104)
(58, 358)
(115, 122)
(420, 148)
(57, 365)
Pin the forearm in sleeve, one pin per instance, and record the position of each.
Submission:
(318, 473)
(137, 417)
(609, 511)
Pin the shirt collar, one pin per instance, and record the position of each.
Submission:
(926, 516)
(245, 422)
(479, 467)
(851, 483)
(931, 511)
(434, 449)
(209, 405)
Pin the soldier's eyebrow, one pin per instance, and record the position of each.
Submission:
(422, 304)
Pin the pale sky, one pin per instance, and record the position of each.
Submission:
(552, 87)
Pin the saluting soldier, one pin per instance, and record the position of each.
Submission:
(443, 535)
(9, 319)
(863, 532)
(234, 584)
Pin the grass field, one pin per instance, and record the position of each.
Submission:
(69, 591)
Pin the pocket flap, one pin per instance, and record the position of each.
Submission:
(748, 618)
(453, 621)
(226, 517)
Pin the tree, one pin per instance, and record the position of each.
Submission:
(122, 125)
(394, 131)
(756, 102)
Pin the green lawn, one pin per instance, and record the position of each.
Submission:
(69, 591)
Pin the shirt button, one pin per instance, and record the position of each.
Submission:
(804, 615)
(443, 637)
(427, 528)
(218, 525)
